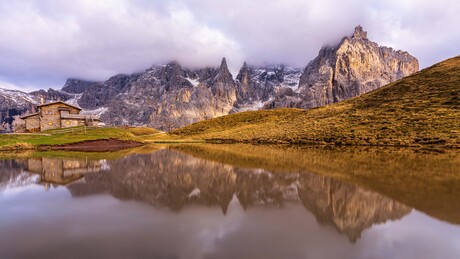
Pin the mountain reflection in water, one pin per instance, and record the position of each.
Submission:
(174, 180)
(182, 178)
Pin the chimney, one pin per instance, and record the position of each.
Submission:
(42, 100)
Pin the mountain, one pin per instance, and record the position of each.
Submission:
(421, 109)
(170, 96)
(13, 103)
(76, 86)
(354, 67)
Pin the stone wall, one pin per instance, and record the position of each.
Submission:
(32, 123)
(51, 116)
(67, 123)
(35, 165)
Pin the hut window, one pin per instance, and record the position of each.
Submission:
(50, 123)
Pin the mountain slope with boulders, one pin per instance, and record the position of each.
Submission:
(170, 96)
(420, 110)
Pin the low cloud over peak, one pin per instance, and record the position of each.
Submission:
(44, 42)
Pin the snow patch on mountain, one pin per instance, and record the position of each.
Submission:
(74, 100)
(253, 106)
(194, 82)
(97, 112)
(18, 97)
(292, 78)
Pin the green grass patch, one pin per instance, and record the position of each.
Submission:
(7, 141)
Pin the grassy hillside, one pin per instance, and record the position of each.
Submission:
(419, 110)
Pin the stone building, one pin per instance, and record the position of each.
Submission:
(57, 115)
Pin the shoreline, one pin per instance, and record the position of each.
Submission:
(100, 145)
(110, 145)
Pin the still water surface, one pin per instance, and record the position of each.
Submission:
(230, 202)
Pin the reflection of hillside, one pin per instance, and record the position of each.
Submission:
(174, 180)
(425, 181)
(61, 171)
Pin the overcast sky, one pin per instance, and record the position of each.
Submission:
(43, 42)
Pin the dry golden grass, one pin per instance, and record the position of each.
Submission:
(142, 131)
(420, 110)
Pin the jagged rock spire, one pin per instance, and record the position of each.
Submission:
(224, 74)
(223, 64)
(359, 33)
(244, 74)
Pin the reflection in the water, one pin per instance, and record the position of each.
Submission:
(48, 171)
(171, 179)
(425, 181)
(229, 202)
(61, 171)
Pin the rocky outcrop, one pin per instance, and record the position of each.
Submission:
(50, 95)
(164, 97)
(13, 103)
(76, 86)
(354, 67)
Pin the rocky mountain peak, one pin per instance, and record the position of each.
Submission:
(224, 75)
(245, 66)
(76, 86)
(244, 74)
(171, 75)
(223, 63)
(359, 33)
(354, 67)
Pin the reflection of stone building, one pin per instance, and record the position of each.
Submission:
(61, 171)
(57, 115)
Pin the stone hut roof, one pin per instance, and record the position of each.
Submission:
(61, 102)
(28, 115)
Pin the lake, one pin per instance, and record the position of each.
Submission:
(231, 201)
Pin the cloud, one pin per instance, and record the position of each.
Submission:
(44, 42)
